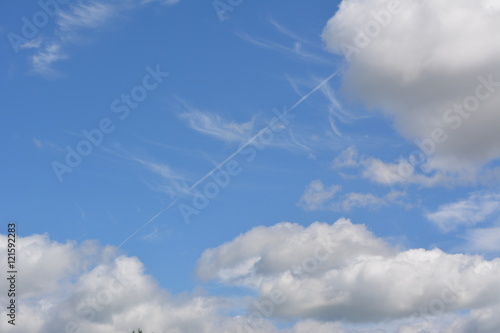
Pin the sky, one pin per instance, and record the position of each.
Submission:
(251, 166)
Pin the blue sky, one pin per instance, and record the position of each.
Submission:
(184, 138)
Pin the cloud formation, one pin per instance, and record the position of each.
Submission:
(433, 66)
(326, 275)
(70, 287)
(477, 208)
(213, 125)
(318, 196)
(342, 272)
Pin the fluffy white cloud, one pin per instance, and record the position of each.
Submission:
(342, 272)
(426, 64)
(338, 271)
(89, 288)
(477, 208)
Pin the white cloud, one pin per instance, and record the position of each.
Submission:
(362, 200)
(483, 240)
(89, 288)
(342, 272)
(44, 144)
(296, 51)
(44, 58)
(214, 125)
(401, 172)
(171, 182)
(32, 44)
(424, 60)
(477, 208)
(71, 25)
(348, 158)
(85, 15)
(416, 169)
(318, 196)
(166, 2)
(92, 288)
(79, 16)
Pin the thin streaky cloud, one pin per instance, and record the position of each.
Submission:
(336, 107)
(213, 125)
(81, 16)
(479, 207)
(294, 51)
(284, 30)
(298, 103)
(166, 2)
(43, 60)
(70, 24)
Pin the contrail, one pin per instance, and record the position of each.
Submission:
(249, 141)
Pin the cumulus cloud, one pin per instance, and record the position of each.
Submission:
(343, 272)
(433, 66)
(70, 287)
(477, 208)
(327, 274)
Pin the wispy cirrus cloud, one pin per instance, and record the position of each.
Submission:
(479, 207)
(294, 50)
(42, 144)
(69, 24)
(170, 181)
(72, 24)
(44, 58)
(296, 47)
(159, 176)
(214, 125)
(165, 2)
(483, 240)
(85, 15)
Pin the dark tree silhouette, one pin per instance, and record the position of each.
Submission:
(138, 331)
